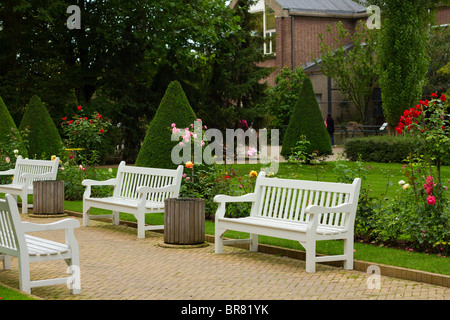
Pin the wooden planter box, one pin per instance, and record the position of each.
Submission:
(48, 197)
(184, 221)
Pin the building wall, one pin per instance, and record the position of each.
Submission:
(443, 15)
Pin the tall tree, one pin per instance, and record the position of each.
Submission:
(236, 80)
(438, 53)
(352, 68)
(401, 52)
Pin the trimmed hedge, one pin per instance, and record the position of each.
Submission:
(157, 147)
(44, 139)
(306, 119)
(383, 148)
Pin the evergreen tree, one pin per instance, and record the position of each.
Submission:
(306, 120)
(44, 139)
(6, 122)
(157, 146)
(234, 87)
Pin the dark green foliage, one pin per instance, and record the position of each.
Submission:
(380, 148)
(157, 146)
(6, 122)
(44, 139)
(307, 120)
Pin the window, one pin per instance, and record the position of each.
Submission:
(266, 25)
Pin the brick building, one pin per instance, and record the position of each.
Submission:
(291, 28)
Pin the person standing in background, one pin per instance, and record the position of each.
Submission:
(330, 128)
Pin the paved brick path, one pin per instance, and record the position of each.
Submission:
(115, 265)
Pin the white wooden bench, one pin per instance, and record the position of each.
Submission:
(137, 190)
(305, 211)
(24, 173)
(27, 248)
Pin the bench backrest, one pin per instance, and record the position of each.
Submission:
(131, 177)
(35, 167)
(287, 199)
(12, 238)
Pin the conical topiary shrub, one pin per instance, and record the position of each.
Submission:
(157, 147)
(307, 120)
(6, 122)
(44, 139)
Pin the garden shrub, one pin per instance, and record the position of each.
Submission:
(384, 149)
(44, 139)
(157, 146)
(207, 181)
(6, 122)
(73, 174)
(306, 120)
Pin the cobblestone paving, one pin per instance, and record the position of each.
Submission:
(115, 265)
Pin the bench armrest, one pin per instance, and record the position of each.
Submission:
(89, 182)
(145, 191)
(7, 172)
(62, 224)
(315, 211)
(109, 182)
(222, 200)
(27, 176)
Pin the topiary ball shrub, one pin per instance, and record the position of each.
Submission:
(44, 139)
(307, 120)
(157, 147)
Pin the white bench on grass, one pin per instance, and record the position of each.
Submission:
(24, 173)
(305, 211)
(26, 248)
(137, 190)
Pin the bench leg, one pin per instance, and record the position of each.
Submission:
(6, 262)
(141, 225)
(24, 203)
(348, 252)
(310, 248)
(85, 216)
(254, 242)
(74, 282)
(218, 241)
(115, 219)
(24, 275)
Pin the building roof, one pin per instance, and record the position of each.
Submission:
(322, 6)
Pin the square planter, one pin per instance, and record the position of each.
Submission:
(48, 197)
(184, 221)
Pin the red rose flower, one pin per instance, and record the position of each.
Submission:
(64, 119)
(102, 131)
(434, 95)
(399, 130)
(79, 107)
(443, 97)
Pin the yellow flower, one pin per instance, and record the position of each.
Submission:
(53, 158)
(406, 186)
(189, 164)
(253, 174)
